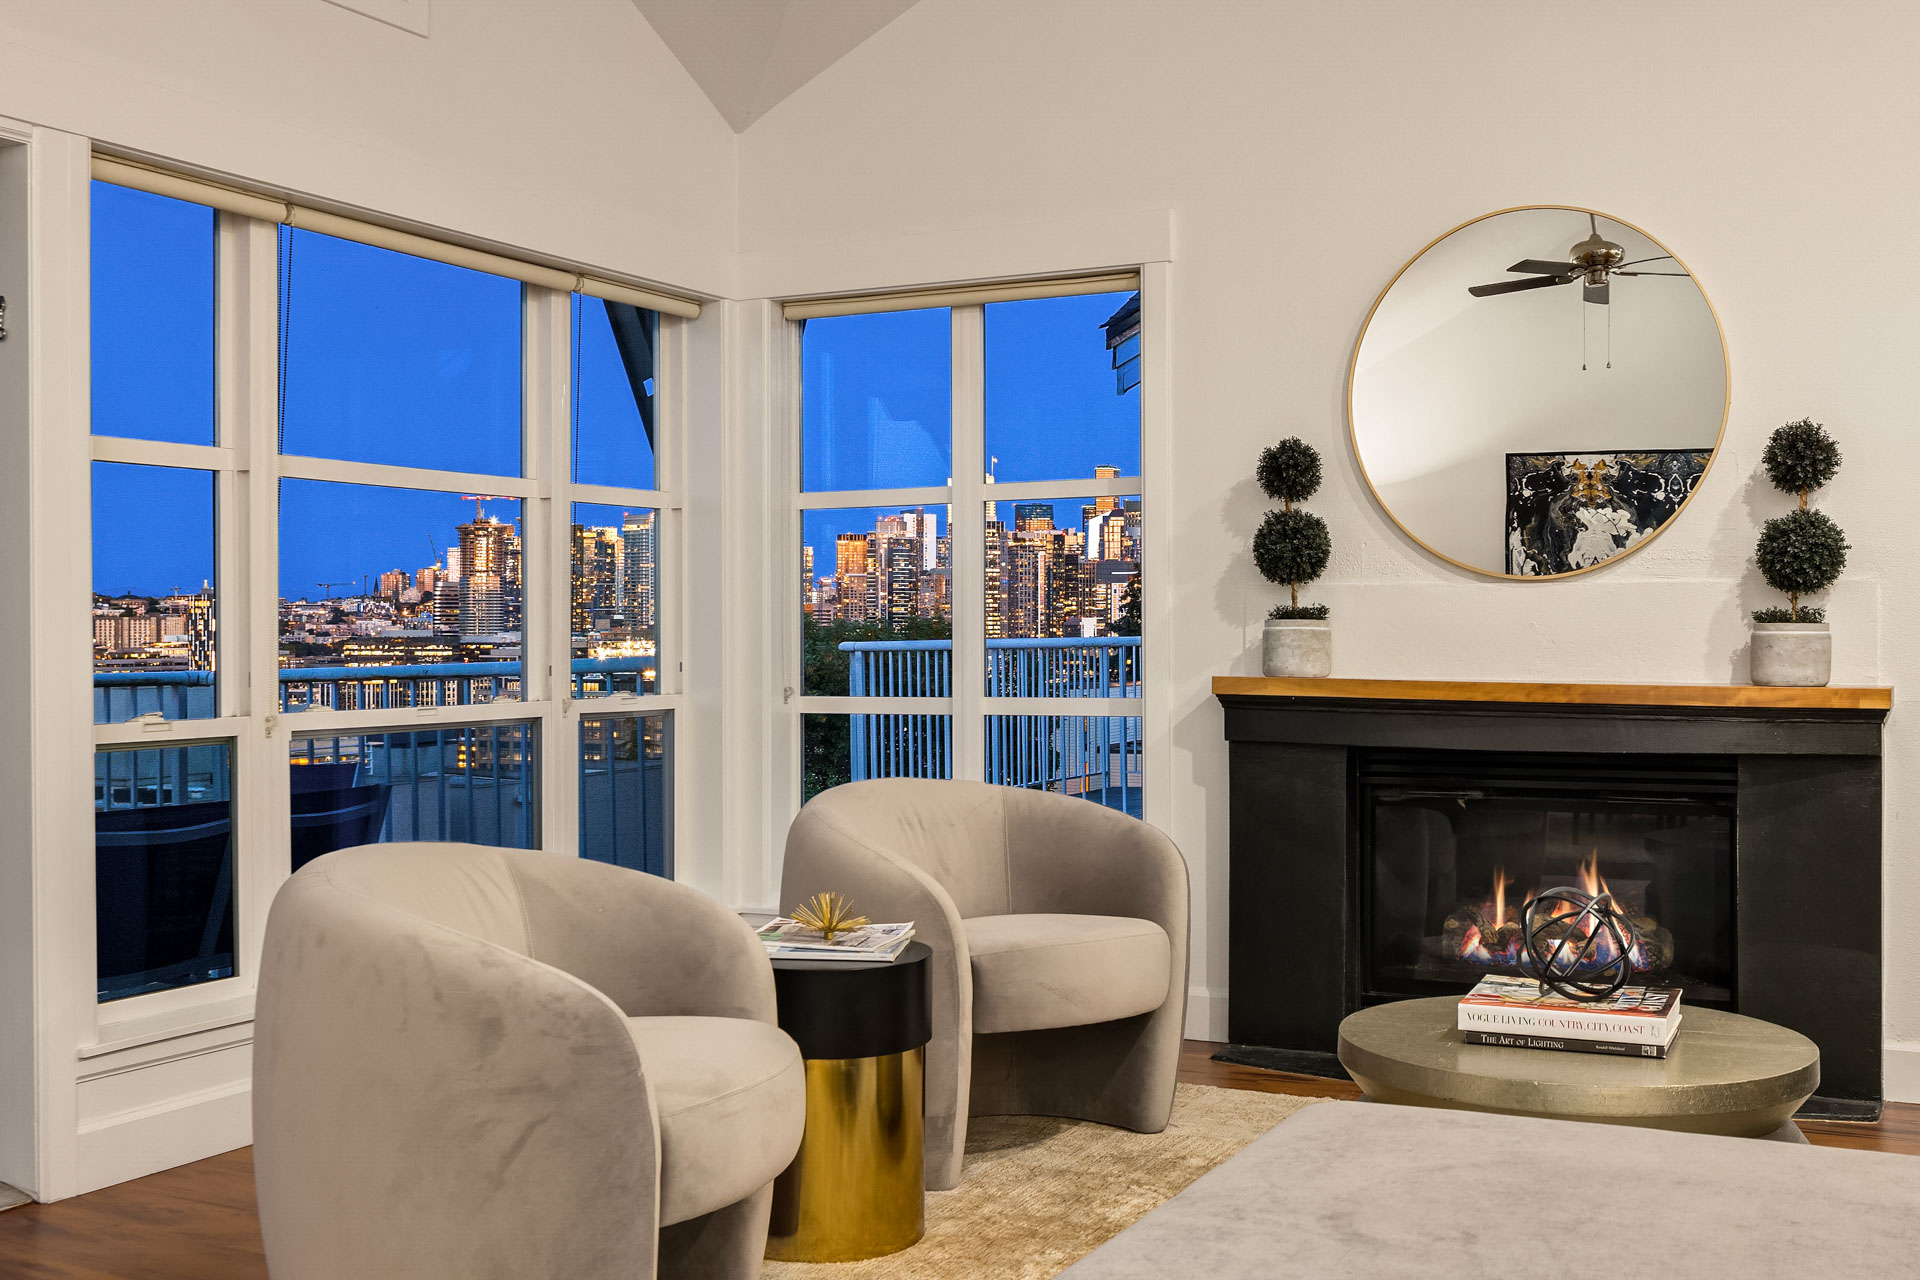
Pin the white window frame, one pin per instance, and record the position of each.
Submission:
(248, 468)
(966, 497)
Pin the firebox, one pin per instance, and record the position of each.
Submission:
(1452, 845)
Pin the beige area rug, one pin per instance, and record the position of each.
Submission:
(1040, 1194)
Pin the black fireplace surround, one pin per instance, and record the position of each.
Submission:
(1367, 832)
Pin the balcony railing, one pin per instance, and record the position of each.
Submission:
(1097, 756)
(188, 695)
(455, 783)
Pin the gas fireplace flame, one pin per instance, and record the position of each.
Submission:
(1487, 933)
(1592, 883)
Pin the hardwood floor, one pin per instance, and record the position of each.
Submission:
(198, 1222)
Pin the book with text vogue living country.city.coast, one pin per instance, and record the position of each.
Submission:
(787, 939)
(1515, 1011)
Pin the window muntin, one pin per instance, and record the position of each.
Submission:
(153, 316)
(154, 617)
(392, 359)
(614, 601)
(472, 784)
(163, 868)
(877, 401)
(399, 597)
(1060, 403)
(626, 791)
(615, 362)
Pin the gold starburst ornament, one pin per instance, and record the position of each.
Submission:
(827, 914)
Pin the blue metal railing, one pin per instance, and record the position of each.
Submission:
(188, 695)
(1099, 757)
(457, 783)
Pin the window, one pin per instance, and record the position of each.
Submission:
(153, 317)
(441, 597)
(154, 615)
(163, 868)
(974, 472)
(474, 784)
(614, 361)
(396, 360)
(626, 791)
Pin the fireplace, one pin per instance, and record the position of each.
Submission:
(1452, 846)
(1384, 835)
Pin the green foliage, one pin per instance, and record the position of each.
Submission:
(1801, 552)
(826, 747)
(1800, 457)
(1285, 611)
(1128, 623)
(1289, 471)
(1292, 547)
(1777, 614)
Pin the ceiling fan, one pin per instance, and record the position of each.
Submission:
(1593, 261)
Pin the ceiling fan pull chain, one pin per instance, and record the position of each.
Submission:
(1609, 337)
(1583, 339)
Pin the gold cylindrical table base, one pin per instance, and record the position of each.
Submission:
(856, 1189)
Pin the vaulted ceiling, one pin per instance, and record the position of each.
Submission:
(749, 55)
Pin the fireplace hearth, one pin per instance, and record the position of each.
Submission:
(1386, 836)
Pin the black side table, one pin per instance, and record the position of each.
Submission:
(857, 1189)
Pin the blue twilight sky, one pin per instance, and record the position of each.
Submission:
(396, 360)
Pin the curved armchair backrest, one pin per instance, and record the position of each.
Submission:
(955, 832)
(468, 888)
(653, 947)
(996, 850)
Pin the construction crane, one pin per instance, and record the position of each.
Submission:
(477, 498)
(327, 588)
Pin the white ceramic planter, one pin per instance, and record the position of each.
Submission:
(1791, 653)
(1297, 647)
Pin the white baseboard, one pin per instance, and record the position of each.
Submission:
(1902, 1083)
(134, 1144)
(1206, 1014)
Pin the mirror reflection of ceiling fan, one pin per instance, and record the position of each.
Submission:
(1593, 261)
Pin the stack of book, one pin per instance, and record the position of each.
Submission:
(1634, 1022)
(787, 939)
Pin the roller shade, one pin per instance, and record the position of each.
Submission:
(960, 295)
(270, 209)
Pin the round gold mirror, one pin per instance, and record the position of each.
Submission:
(1539, 392)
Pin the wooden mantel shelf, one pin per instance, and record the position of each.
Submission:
(1831, 697)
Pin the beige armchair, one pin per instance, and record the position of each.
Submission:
(473, 1062)
(1059, 936)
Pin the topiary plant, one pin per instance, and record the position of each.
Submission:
(1291, 546)
(1803, 551)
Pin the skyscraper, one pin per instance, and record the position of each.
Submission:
(640, 569)
(597, 556)
(489, 568)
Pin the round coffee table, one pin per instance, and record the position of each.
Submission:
(857, 1187)
(1725, 1073)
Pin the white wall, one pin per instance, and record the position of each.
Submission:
(1307, 150)
(564, 127)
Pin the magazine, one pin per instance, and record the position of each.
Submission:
(1517, 1006)
(787, 939)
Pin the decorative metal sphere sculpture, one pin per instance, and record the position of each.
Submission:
(1560, 949)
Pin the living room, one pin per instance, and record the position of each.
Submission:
(584, 428)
